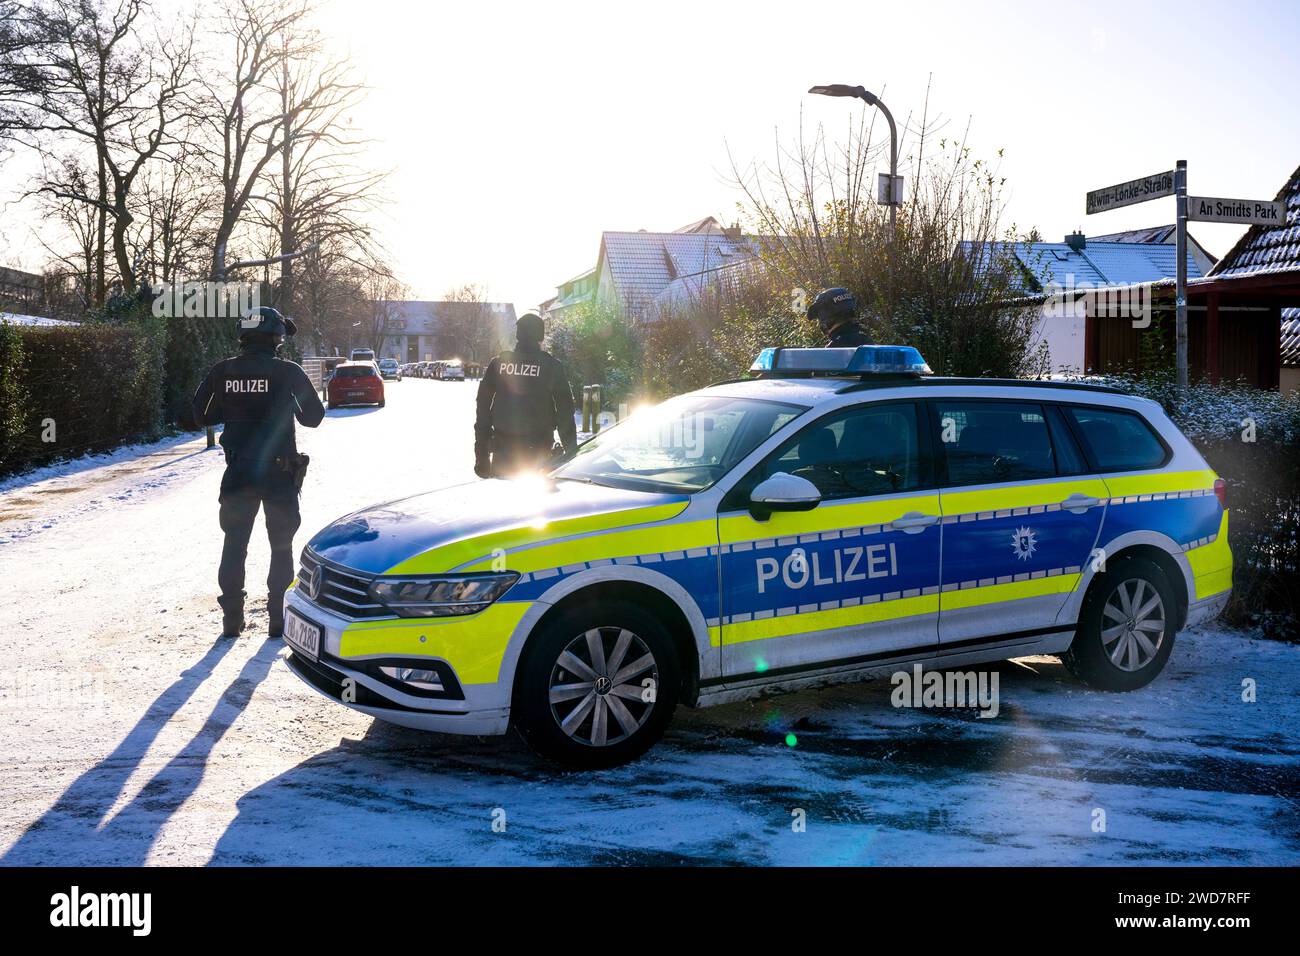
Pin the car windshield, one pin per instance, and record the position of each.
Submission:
(685, 444)
(353, 371)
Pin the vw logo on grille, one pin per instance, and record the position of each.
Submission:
(312, 584)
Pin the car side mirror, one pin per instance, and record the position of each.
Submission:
(783, 492)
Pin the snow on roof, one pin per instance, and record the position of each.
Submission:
(1097, 264)
(12, 318)
(1268, 249)
(643, 264)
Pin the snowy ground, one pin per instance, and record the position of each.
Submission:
(134, 735)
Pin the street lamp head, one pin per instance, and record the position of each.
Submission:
(843, 89)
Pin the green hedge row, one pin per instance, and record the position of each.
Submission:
(1252, 440)
(67, 391)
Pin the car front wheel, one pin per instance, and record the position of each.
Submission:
(598, 686)
(1126, 628)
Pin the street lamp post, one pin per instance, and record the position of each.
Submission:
(843, 89)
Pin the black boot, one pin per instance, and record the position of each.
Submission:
(232, 614)
(275, 627)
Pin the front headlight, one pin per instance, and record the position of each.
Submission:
(441, 596)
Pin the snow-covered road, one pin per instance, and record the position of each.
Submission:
(132, 734)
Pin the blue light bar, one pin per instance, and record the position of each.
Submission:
(863, 360)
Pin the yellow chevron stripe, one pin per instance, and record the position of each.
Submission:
(824, 620)
(1020, 496)
(654, 539)
(1212, 564)
(472, 645)
(1124, 485)
(479, 549)
(1011, 591)
(825, 517)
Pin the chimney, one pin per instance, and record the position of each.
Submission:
(733, 232)
(1076, 241)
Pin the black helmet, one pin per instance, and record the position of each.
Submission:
(267, 321)
(530, 328)
(832, 306)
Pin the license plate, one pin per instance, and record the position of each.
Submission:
(301, 634)
(356, 394)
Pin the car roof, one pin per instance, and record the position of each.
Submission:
(810, 391)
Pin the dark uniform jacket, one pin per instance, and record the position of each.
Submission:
(524, 397)
(847, 335)
(257, 396)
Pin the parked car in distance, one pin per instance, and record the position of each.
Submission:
(362, 355)
(452, 371)
(355, 383)
(388, 368)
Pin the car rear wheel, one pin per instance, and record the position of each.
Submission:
(1126, 627)
(598, 686)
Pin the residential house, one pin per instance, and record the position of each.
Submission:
(413, 327)
(1262, 272)
(1056, 276)
(642, 272)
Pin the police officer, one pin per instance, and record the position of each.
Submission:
(833, 310)
(523, 400)
(257, 396)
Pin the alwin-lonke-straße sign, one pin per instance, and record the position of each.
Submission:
(1134, 191)
(1262, 212)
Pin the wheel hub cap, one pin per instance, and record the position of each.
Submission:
(603, 686)
(1133, 624)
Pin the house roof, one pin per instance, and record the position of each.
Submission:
(1268, 249)
(642, 264)
(1099, 263)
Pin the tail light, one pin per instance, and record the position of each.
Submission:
(1221, 492)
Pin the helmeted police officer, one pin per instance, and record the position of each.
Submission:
(523, 400)
(257, 396)
(833, 310)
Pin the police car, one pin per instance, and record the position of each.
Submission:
(841, 515)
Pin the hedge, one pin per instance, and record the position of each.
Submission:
(1251, 439)
(88, 387)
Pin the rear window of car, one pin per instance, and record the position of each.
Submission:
(354, 371)
(990, 442)
(1119, 440)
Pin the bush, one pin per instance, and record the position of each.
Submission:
(597, 345)
(88, 387)
(1251, 439)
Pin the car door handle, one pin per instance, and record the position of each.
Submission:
(1078, 503)
(913, 522)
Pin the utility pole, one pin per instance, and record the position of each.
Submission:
(1180, 290)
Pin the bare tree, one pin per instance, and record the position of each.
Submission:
(110, 91)
(468, 326)
(946, 282)
(252, 114)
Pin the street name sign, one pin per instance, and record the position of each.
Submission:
(1250, 211)
(1134, 191)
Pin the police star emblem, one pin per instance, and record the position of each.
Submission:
(1024, 543)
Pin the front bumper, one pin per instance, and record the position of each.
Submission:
(480, 705)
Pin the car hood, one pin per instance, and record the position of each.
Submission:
(449, 529)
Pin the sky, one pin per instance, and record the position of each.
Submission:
(516, 133)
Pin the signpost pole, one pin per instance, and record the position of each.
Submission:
(1180, 291)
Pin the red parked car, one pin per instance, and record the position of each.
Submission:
(356, 383)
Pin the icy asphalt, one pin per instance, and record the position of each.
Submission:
(133, 734)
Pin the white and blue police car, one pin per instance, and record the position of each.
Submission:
(840, 515)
